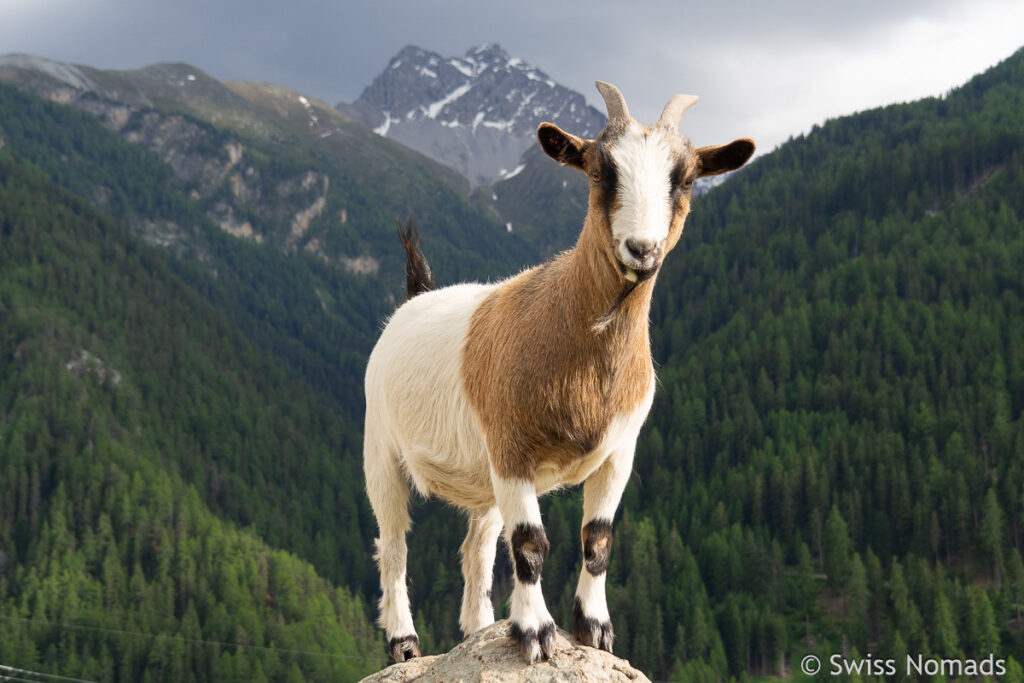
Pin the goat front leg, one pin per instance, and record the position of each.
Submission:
(601, 495)
(533, 629)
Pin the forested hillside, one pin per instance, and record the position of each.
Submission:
(298, 328)
(120, 385)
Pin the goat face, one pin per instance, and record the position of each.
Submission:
(640, 179)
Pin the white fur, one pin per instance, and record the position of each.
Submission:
(527, 606)
(418, 424)
(395, 617)
(590, 591)
(644, 163)
(527, 609)
(517, 500)
(478, 552)
(603, 488)
(416, 407)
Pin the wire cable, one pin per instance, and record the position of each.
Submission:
(4, 677)
(194, 640)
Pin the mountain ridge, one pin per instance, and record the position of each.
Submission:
(333, 191)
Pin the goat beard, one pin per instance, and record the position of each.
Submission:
(627, 288)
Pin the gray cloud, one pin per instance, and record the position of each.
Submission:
(755, 65)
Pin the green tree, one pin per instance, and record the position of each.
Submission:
(982, 632)
(992, 534)
(837, 547)
(858, 601)
(1015, 576)
(944, 639)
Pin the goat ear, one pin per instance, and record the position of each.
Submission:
(716, 159)
(561, 146)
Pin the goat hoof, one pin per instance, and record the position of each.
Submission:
(535, 645)
(593, 633)
(404, 648)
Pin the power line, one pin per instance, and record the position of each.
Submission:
(4, 677)
(201, 641)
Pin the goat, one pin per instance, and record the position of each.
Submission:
(488, 395)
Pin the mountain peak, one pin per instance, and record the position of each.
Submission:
(477, 113)
(491, 52)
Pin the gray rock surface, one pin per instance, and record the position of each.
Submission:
(490, 656)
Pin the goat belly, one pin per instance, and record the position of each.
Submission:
(415, 401)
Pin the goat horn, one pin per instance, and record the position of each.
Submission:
(614, 100)
(675, 108)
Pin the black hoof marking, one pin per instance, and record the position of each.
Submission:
(597, 545)
(590, 631)
(404, 648)
(546, 638)
(535, 646)
(529, 548)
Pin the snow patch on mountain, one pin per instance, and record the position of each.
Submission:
(434, 109)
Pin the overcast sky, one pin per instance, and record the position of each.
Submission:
(766, 70)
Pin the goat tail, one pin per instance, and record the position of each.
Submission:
(418, 278)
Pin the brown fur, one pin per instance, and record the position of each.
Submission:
(543, 382)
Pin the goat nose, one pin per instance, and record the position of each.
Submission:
(640, 249)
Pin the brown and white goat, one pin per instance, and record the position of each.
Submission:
(488, 396)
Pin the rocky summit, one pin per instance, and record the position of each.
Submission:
(477, 113)
(490, 655)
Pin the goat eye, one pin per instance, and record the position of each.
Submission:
(688, 183)
(595, 176)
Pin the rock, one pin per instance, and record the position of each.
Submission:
(490, 655)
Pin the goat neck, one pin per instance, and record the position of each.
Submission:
(599, 296)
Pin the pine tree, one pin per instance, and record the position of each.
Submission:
(899, 653)
(836, 548)
(858, 600)
(1015, 577)
(982, 633)
(992, 535)
(944, 639)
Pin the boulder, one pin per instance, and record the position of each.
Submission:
(490, 655)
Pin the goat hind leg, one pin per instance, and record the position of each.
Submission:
(388, 491)
(478, 552)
